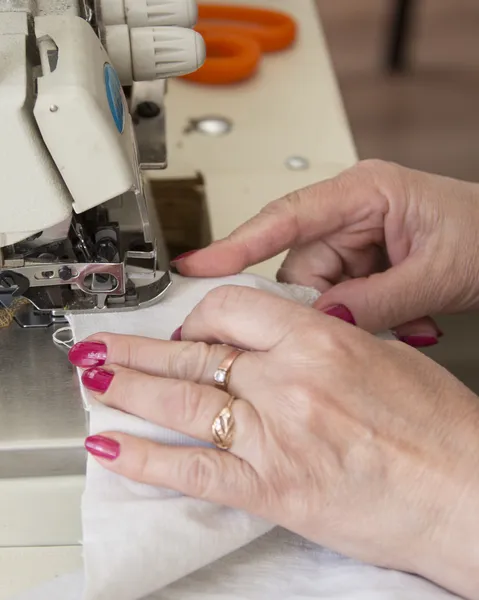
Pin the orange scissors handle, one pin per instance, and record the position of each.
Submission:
(273, 30)
(236, 37)
(230, 58)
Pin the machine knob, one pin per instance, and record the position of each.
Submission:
(149, 13)
(160, 52)
(149, 53)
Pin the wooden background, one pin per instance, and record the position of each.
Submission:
(427, 118)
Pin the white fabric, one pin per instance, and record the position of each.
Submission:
(277, 566)
(144, 542)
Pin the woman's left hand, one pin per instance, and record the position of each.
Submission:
(361, 445)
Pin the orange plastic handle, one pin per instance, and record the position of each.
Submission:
(273, 30)
(230, 59)
(236, 37)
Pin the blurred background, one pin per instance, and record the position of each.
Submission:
(427, 114)
(419, 108)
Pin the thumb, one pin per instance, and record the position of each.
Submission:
(385, 300)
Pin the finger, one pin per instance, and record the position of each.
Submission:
(204, 473)
(314, 265)
(385, 300)
(182, 406)
(294, 277)
(192, 361)
(247, 318)
(419, 333)
(297, 218)
(321, 266)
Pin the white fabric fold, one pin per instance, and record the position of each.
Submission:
(145, 542)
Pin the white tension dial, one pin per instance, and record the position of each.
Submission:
(149, 53)
(144, 13)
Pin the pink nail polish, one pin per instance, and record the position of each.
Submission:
(419, 341)
(88, 354)
(176, 335)
(182, 256)
(97, 380)
(341, 312)
(103, 447)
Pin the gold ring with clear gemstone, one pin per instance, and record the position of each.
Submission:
(223, 372)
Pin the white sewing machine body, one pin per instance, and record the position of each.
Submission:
(78, 224)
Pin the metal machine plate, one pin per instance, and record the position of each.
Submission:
(42, 420)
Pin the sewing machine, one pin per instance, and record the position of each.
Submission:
(82, 120)
(77, 229)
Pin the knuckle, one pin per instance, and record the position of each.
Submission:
(142, 469)
(300, 405)
(191, 362)
(217, 297)
(296, 202)
(330, 341)
(200, 473)
(221, 298)
(291, 207)
(372, 164)
(288, 203)
(191, 403)
(210, 303)
(380, 172)
(379, 168)
(127, 351)
(334, 341)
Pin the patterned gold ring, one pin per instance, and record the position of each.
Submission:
(223, 427)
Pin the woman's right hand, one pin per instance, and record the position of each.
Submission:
(360, 445)
(390, 244)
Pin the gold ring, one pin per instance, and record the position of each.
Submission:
(223, 427)
(223, 372)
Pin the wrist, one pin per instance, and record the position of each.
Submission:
(450, 555)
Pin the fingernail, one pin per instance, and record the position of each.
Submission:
(419, 341)
(97, 380)
(176, 335)
(184, 255)
(88, 354)
(101, 446)
(341, 312)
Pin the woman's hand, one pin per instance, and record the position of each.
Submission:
(361, 445)
(389, 243)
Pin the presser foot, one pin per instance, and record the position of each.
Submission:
(54, 290)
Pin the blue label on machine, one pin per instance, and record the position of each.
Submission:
(114, 94)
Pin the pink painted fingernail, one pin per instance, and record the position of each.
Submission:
(88, 354)
(103, 447)
(97, 380)
(341, 312)
(183, 256)
(176, 335)
(419, 341)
